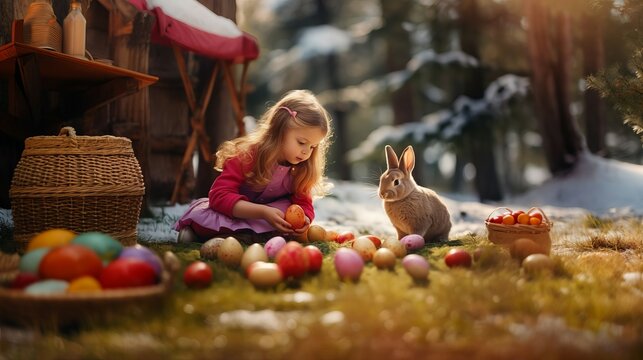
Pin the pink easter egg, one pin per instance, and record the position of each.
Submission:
(274, 245)
(348, 264)
(412, 242)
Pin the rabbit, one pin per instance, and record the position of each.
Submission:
(411, 208)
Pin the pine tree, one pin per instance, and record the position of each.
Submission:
(623, 87)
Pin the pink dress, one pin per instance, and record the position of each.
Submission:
(206, 221)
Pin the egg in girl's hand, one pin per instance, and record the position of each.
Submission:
(274, 245)
(141, 252)
(295, 216)
(210, 248)
(384, 259)
(253, 253)
(348, 264)
(416, 266)
(230, 252)
(364, 247)
(412, 242)
(105, 246)
(264, 274)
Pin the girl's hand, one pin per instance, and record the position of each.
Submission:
(303, 228)
(275, 217)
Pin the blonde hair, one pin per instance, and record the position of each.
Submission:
(262, 146)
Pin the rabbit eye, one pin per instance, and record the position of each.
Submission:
(396, 182)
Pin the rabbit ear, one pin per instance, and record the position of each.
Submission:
(408, 160)
(391, 159)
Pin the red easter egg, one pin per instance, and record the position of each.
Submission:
(127, 273)
(315, 258)
(345, 236)
(458, 257)
(293, 260)
(197, 275)
(69, 262)
(23, 280)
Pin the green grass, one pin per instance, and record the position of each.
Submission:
(492, 310)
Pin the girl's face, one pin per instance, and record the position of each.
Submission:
(299, 143)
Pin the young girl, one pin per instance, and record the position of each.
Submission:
(280, 163)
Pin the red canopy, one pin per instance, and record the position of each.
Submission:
(194, 27)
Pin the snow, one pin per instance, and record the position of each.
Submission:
(197, 15)
(604, 187)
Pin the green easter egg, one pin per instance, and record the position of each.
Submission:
(30, 262)
(105, 246)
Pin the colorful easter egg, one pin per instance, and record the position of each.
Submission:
(51, 238)
(69, 262)
(143, 253)
(348, 264)
(105, 246)
(30, 262)
(412, 242)
(274, 245)
(127, 273)
(50, 286)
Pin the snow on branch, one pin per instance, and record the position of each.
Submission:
(446, 124)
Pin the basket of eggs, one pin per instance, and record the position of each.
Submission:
(520, 231)
(66, 278)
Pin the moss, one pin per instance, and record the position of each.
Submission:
(491, 310)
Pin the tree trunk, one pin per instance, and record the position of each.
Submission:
(593, 62)
(478, 137)
(398, 54)
(549, 45)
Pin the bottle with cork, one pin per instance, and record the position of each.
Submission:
(74, 28)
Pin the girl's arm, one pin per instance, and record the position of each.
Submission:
(224, 193)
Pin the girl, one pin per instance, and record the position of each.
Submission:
(279, 164)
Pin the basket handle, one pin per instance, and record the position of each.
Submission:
(70, 133)
(67, 130)
(499, 208)
(539, 210)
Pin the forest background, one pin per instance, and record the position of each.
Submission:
(494, 95)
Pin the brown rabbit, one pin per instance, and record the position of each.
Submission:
(411, 208)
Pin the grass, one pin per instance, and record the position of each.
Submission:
(585, 309)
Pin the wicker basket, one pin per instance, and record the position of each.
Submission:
(505, 235)
(81, 183)
(50, 311)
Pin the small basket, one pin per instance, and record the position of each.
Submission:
(80, 183)
(505, 235)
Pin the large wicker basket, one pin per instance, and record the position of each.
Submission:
(50, 311)
(81, 183)
(505, 235)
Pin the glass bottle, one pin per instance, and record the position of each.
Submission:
(74, 28)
